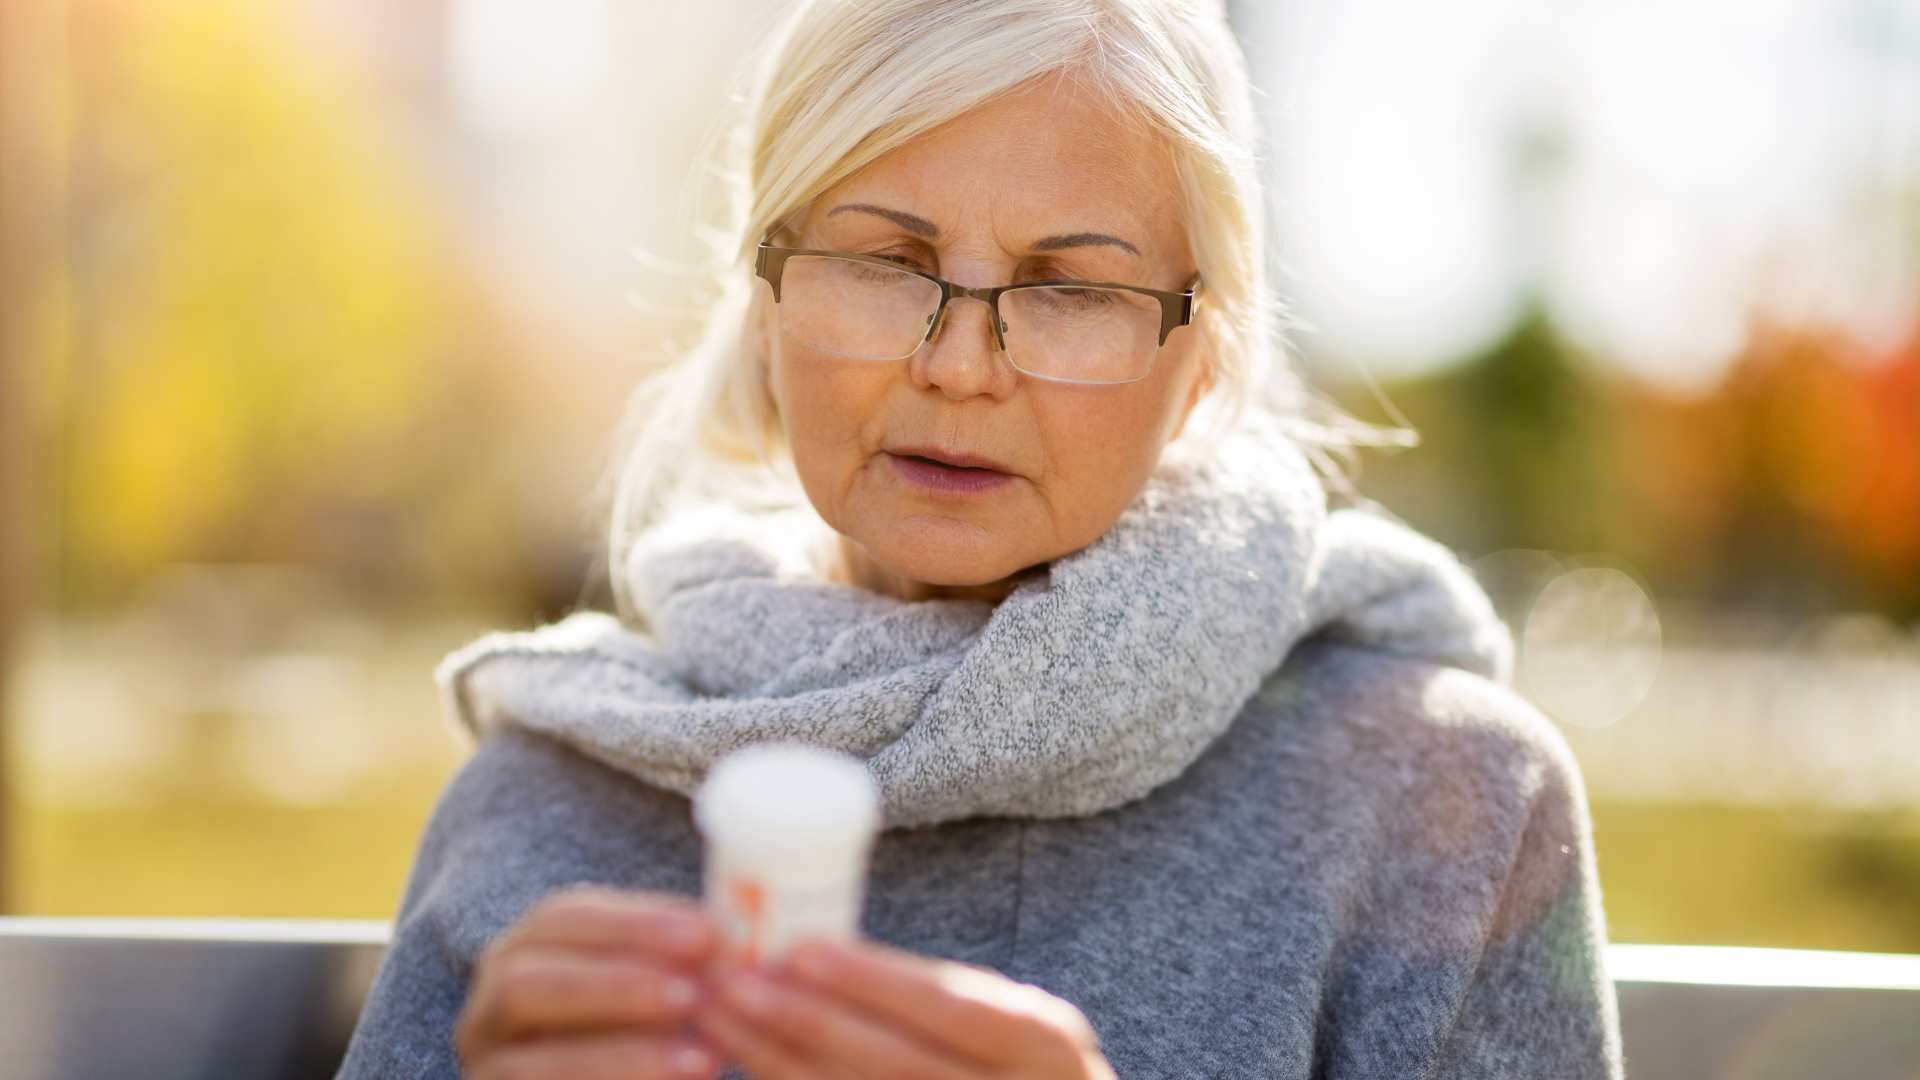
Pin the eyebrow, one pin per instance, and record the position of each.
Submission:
(913, 223)
(920, 226)
(1081, 239)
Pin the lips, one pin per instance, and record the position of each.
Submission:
(940, 480)
(953, 459)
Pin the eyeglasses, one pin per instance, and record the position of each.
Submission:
(869, 307)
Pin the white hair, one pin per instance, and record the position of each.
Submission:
(841, 83)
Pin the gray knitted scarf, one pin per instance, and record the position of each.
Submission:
(1100, 677)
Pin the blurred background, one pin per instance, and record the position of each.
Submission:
(316, 317)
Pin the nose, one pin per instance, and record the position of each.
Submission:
(963, 361)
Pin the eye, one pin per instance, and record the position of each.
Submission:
(1047, 270)
(904, 252)
(1077, 299)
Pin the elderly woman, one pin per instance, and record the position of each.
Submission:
(986, 473)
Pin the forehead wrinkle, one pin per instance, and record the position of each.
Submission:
(1033, 176)
(1141, 186)
(1080, 228)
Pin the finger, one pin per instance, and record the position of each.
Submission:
(963, 1007)
(761, 1053)
(609, 1057)
(598, 917)
(839, 1036)
(537, 991)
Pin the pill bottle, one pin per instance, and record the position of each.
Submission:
(788, 829)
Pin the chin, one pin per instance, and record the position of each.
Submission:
(943, 556)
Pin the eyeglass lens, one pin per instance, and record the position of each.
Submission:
(866, 311)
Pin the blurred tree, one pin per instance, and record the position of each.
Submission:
(34, 94)
(1507, 454)
(1794, 483)
(1532, 454)
(279, 359)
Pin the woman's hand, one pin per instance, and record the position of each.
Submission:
(871, 1011)
(583, 986)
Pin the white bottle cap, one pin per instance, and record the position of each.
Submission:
(794, 810)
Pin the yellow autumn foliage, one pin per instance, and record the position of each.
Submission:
(257, 284)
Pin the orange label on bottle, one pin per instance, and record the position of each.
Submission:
(750, 900)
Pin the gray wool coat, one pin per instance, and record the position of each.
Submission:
(1383, 871)
(1243, 779)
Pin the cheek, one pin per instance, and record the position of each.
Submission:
(1102, 442)
(810, 397)
(826, 405)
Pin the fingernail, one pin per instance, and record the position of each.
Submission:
(692, 1061)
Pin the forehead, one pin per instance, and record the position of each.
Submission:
(1046, 155)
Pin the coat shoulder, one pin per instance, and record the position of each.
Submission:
(1448, 720)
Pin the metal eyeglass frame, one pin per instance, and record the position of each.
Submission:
(1176, 308)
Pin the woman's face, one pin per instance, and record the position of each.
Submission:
(973, 201)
